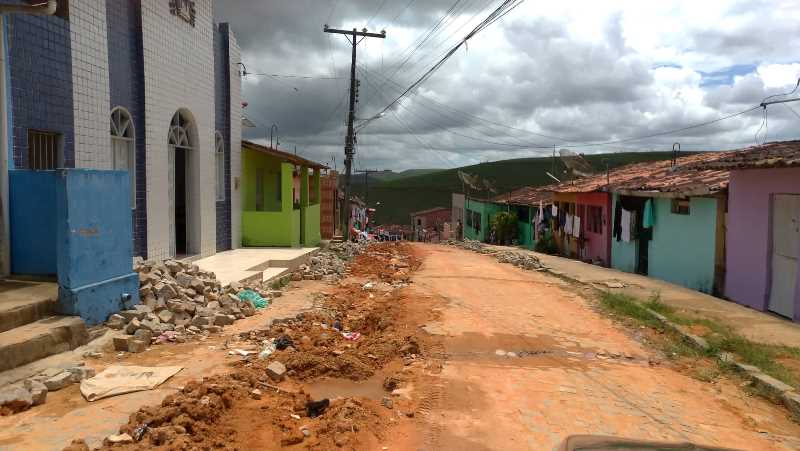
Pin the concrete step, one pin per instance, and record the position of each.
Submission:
(45, 337)
(23, 302)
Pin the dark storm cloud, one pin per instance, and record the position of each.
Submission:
(528, 71)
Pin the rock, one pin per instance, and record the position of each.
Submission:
(387, 402)
(213, 305)
(130, 315)
(183, 279)
(166, 316)
(133, 326)
(50, 372)
(144, 335)
(791, 400)
(181, 319)
(229, 300)
(276, 371)
(197, 285)
(248, 309)
(173, 266)
(166, 291)
(16, 399)
(37, 390)
(80, 373)
(151, 325)
(255, 394)
(614, 285)
(297, 276)
(213, 329)
(500, 353)
(136, 346)
(236, 286)
(223, 320)
(200, 321)
(117, 322)
(59, 381)
(119, 439)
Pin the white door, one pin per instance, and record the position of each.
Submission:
(785, 243)
(171, 210)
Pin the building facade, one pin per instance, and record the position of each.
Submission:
(151, 88)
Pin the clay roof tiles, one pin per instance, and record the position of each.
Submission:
(527, 195)
(770, 155)
(285, 156)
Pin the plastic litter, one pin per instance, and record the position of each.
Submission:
(337, 325)
(317, 408)
(283, 342)
(353, 336)
(254, 298)
(269, 348)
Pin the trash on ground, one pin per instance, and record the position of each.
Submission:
(118, 380)
(317, 408)
(353, 336)
(283, 342)
(254, 298)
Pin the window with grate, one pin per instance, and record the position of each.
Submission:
(219, 156)
(123, 153)
(44, 150)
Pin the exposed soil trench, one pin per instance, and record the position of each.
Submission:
(361, 384)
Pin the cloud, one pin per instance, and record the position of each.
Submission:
(572, 71)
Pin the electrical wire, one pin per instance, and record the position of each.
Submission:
(410, 2)
(792, 110)
(383, 3)
(304, 77)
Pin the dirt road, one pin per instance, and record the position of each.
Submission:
(572, 370)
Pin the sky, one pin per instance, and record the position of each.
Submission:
(580, 75)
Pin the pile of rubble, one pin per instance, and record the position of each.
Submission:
(179, 300)
(33, 391)
(330, 264)
(520, 260)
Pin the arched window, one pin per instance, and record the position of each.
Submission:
(123, 153)
(219, 158)
(179, 131)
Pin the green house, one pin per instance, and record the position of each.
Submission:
(281, 198)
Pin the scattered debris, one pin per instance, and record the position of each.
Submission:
(317, 408)
(118, 380)
(522, 260)
(276, 371)
(330, 264)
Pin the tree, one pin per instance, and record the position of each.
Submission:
(505, 225)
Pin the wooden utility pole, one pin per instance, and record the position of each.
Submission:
(349, 142)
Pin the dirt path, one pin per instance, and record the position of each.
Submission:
(575, 373)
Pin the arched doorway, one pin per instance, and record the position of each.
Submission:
(181, 140)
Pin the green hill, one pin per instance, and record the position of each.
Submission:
(399, 197)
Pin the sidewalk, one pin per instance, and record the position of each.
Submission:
(254, 263)
(757, 326)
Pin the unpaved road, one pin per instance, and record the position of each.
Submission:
(581, 373)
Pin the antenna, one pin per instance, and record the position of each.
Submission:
(675, 149)
(576, 164)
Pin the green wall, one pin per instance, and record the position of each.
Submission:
(487, 210)
(280, 224)
(683, 247)
(682, 250)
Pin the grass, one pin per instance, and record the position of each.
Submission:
(720, 337)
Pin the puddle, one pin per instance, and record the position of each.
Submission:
(371, 388)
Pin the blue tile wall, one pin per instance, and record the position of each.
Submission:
(222, 122)
(40, 61)
(126, 83)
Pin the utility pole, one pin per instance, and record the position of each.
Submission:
(349, 142)
(366, 173)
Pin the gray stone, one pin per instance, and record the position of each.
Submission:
(59, 381)
(193, 329)
(791, 399)
(213, 329)
(387, 402)
(129, 315)
(276, 371)
(200, 321)
(50, 372)
(117, 322)
(166, 316)
(183, 279)
(696, 341)
(121, 343)
(15, 398)
(137, 346)
(229, 299)
(173, 266)
(182, 319)
(197, 285)
(133, 326)
(213, 305)
(176, 305)
(151, 325)
(145, 309)
(166, 291)
(144, 335)
(80, 373)
(746, 369)
(37, 390)
(223, 320)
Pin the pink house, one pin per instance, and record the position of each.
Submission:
(763, 227)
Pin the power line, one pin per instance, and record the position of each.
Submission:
(402, 11)
(305, 77)
(383, 3)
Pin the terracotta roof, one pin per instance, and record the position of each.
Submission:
(527, 195)
(781, 154)
(686, 177)
(430, 210)
(285, 156)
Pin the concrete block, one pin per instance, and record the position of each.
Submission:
(137, 346)
(166, 316)
(773, 386)
(15, 399)
(183, 279)
(791, 399)
(37, 390)
(276, 371)
(144, 335)
(116, 322)
(200, 321)
(133, 326)
(80, 373)
(121, 343)
(58, 382)
(745, 368)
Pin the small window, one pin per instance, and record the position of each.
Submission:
(680, 206)
(44, 150)
(122, 148)
(219, 156)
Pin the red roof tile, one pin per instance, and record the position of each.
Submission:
(285, 156)
(527, 195)
(770, 155)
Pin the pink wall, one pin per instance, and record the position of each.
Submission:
(748, 237)
(599, 244)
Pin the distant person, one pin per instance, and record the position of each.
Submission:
(459, 231)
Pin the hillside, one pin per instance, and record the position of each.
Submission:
(399, 197)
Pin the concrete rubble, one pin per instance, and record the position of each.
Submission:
(329, 264)
(179, 301)
(33, 391)
(522, 260)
